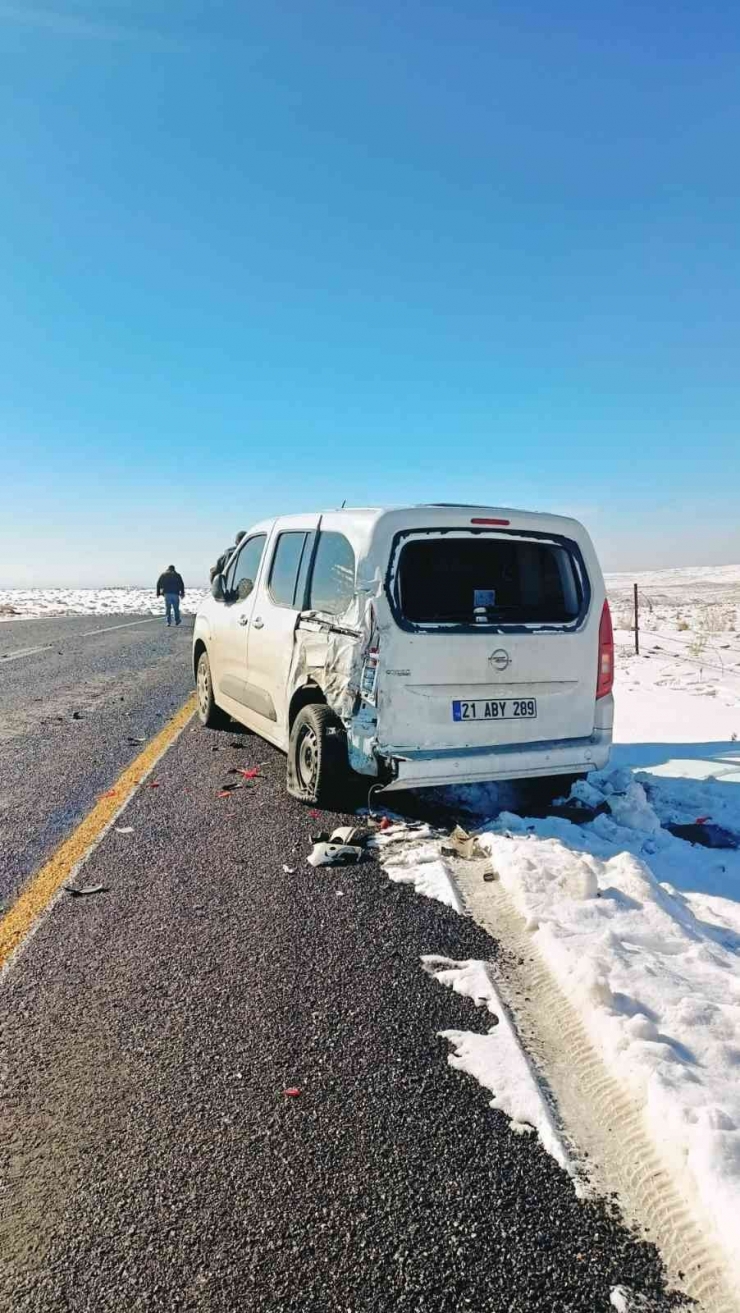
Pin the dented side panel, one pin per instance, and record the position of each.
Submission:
(330, 654)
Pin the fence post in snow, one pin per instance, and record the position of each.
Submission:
(637, 624)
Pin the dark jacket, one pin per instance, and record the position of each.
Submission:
(170, 582)
(222, 562)
(225, 557)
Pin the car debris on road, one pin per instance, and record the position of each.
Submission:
(461, 844)
(336, 854)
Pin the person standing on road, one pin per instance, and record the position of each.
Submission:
(171, 587)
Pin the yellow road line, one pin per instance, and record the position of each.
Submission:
(70, 854)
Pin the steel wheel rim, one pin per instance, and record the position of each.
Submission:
(204, 686)
(307, 757)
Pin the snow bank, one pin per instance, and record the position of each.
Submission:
(32, 603)
(652, 969)
(496, 1059)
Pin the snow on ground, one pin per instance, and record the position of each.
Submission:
(32, 603)
(642, 933)
(641, 929)
(416, 860)
(689, 623)
(497, 1059)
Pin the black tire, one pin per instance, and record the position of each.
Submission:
(318, 766)
(209, 713)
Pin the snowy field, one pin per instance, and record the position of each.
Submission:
(689, 627)
(33, 603)
(638, 928)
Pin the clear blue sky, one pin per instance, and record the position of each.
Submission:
(265, 257)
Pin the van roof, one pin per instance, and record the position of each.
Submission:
(445, 513)
(371, 529)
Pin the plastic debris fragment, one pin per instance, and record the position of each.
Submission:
(353, 834)
(462, 844)
(336, 854)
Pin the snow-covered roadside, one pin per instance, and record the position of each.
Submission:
(651, 969)
(33, 603)
(497, 1060)
(413, 857)
(639, 929)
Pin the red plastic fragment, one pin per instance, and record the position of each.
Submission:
(226, 794)
(314, 814)
(250, 774)
(110, 793)
(701, 820)
(385, 824)
(292, 1092)
(154, 784)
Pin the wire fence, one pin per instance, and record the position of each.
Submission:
(706, 646)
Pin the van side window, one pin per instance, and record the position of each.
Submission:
(333, 579)
(242, 575)
(286, 567)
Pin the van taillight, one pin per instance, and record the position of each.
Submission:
(605, 677)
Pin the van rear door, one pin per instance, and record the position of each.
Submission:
(493, 640)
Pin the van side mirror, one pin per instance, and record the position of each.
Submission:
(217, 587)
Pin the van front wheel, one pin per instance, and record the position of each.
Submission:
(209, 712)
(318, 769)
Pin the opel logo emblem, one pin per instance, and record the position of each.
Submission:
(500, 660)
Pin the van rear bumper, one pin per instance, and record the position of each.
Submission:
(418, 768)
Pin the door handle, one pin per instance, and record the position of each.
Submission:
(243, 619)
(259, 623)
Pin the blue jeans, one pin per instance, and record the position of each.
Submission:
(172, 603)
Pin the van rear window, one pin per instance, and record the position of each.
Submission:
(488, 580)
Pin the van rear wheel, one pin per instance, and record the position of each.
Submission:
(318, 768)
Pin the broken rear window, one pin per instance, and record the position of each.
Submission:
(488, 580)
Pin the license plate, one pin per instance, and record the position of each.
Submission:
(498, 709)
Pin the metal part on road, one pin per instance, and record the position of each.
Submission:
(155, 1153)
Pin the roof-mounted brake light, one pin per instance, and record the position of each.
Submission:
(479, 520)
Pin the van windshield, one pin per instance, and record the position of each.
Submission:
(488, 580)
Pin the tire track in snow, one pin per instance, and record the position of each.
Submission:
(590, 1103)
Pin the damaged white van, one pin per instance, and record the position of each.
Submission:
(427, 645)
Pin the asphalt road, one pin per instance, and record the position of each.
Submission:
(74, 691)
(150, 1157)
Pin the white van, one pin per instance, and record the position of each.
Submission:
(425, 645)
